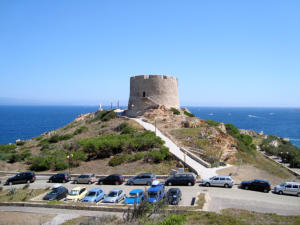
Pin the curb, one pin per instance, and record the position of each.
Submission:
(75, 207)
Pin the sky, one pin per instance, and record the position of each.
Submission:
(224, 53)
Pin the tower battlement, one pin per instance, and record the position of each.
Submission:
(148, 91)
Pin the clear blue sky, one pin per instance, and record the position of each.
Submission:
(225, 53)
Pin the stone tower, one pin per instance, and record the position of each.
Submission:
(151, 91)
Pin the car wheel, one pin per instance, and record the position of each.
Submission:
(170, 184)
(246, 188)
(189, 184)
(266, 190)
(280, 192)
(28, 181)
(298, 194)
(131, 183)
(148, 183)
(50, 181)
(75, 182)
(226, 185)
(101, 182)
(117, 183)
(207, 184)
(64, 181)
(10, 183)
(89, 182)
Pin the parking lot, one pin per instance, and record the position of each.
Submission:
(218, 198)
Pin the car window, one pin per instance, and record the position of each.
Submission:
(112, 194)
(74, 192)
(227, 178)
(217, 178)
(288, 186)
(222, 178)
(91, 193)
(82, 190)
(295, 186)
(120, 192)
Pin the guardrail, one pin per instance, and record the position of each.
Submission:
(194, 157)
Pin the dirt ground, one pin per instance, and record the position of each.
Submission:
(249, 172)
(18, 218)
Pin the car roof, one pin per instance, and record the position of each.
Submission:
(136, 191)
(156, 188)
(56, 186)
(77, 188)
(174, 189)
(292, 182)
(116, 190)
(96, 189)
(151, 174)
(261, 180)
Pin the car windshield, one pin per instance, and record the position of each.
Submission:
(133, 195)
(92, 193)
(211, 178)
(173, 192)
(152, 194)
(53, 191)
(83, 176)
(282, 185)
(112, 194)
(74, 192)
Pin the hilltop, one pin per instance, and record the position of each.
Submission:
(104, 143)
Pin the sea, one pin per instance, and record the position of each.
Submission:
(24, 122)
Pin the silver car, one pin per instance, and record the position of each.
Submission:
(221, 181)
(85, 179)
(115, 196)
(290, 188)
(144, 178)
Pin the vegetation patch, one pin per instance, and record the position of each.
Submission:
(20, 195)
(189, 114)
(104, 115)
(80, 130)
(212, 123)
(175, 111)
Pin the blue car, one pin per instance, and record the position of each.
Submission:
(135, 196)
(94, 195)
(156, 193)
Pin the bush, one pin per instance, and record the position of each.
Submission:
(117, 160)
(159, 156)
(189, 114)
(104, 115)
(80, 130)
(20, 143)
(232, 130)
(212, 123)
(56, 138)
(40, 163)
(173, 219)
(125, 128)
(175, 111)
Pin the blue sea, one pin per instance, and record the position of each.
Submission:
(24, 122)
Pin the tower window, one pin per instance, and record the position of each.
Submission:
(144, 94)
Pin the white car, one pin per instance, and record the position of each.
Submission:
(290, 188)
(221, 181)
(115, 196)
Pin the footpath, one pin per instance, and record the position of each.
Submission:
(201, 170)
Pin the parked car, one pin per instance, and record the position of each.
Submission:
(21, 178)
(94, 195)
(144, 178)
(256, 185)
(114, 196)
(156, 193)
(221, 181)
(57, 192)
(60, 178)
(76, 194)
(290, 188)
(174, 196)
(112, 179)
(135, 196)
(85, 179)
(181, 179)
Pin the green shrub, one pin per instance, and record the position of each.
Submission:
(212, 123)
(40, 163)
(189, 114)
(117, 160)
(173, 219)
(80, 130)
(125, 128)
(175, 111)
(232, 130)
(56, 138)
(159, 156)
(20, 143)
(104, 115)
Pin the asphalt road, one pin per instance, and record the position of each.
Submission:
(218, 197)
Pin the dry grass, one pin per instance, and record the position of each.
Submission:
(22, 218)
(20, 195)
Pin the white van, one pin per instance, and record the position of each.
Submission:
(290, 188)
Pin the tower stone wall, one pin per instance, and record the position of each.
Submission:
(151, 91)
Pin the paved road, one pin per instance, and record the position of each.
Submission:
(220, 198)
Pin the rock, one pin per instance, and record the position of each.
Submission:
(274, 143)
(192, 122)
(261, 133)
(222, 127)
(251, 133)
